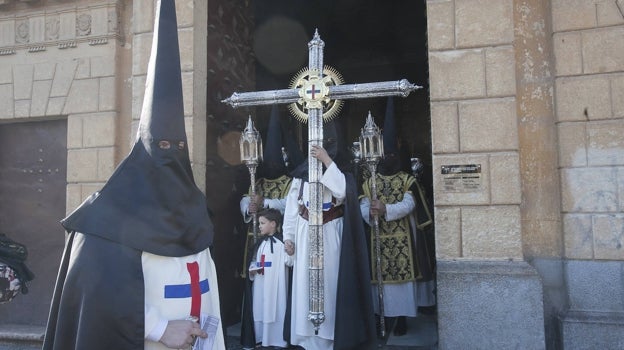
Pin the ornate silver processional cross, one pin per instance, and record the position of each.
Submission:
(315, 91)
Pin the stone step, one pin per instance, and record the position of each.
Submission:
(21, 337)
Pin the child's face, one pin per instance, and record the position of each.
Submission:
(266, 226)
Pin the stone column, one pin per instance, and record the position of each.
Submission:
(488, 295)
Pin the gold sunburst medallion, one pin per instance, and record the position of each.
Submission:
(314, 93)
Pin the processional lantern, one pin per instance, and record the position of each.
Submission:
(251, 154)
(371, 142)
(251, 145)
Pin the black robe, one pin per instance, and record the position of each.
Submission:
(355, 320)
(103, 305)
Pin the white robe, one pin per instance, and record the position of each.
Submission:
(269, 293)
(400, 299)
(295, 228)
(164, 274)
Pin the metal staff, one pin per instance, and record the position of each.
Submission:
(251, 155)
(372, 152)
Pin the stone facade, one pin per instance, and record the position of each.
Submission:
(532, 92)
(527, 125)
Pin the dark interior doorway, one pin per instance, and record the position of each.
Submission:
(262, 45)
(365, 41)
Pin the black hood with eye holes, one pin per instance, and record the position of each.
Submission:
(335, 145)
(151, 202)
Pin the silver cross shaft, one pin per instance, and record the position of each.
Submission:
(314, 107)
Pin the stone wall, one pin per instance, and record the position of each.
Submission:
(62, 62)
(588, 38)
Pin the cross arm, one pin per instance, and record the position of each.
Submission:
(385, 88)
(258, 98)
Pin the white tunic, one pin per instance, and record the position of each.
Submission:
(167, 294)
(295, 228)
(269, 293)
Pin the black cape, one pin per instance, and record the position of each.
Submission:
(355, 320)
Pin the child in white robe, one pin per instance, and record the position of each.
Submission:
(268, 273)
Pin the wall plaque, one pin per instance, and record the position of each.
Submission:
(461, 178)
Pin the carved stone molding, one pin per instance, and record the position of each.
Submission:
(67, 26)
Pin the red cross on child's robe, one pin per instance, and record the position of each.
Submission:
(261, 271)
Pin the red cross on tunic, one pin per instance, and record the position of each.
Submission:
(261, 271)
(193, 269)
(313, 91)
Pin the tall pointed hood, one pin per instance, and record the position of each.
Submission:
(151, 201)
(272, 165)
(390, 141)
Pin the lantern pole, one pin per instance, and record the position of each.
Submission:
(372, 152)
(251, 155)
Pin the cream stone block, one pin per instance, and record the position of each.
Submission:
(40, 95)
(572, 144)
(483, 22)
(55, 106)
(82, 165)
(578, 236)
(22, 108)
(585, 98)
(603, 50)
(185, 40)
(7, 32)
(573, 14)
(444, 127)
(90, 188)
(99, 21)
(83, 97)
(456, 74)
(107, 96)
(73, 197)
(22, 81)
(188, 127)
(500, 72)
(491, 232)
(608, 236)
(605, 142)
(198, 137)
(44, 71)
(6, 74)
(143, 16)
(449, 190)
(185, 11)
(74, 132)
(67, 25)
(83, 71)
(589, 190)
(617, 91)
(7, 108)
(440, 25)
(63, 77)
(448, 232)
(98, 129)
(620, 185)
(199, 174)
(138, 93)
(187, 92)
(142, 48)
(105, 163)
(505, 178)
(36, 26)
(568, 53)
(609, 13)
(103, 66)
(488, 125)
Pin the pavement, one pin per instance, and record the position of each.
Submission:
(422, 334)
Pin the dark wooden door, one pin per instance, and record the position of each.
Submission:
(33, 167)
